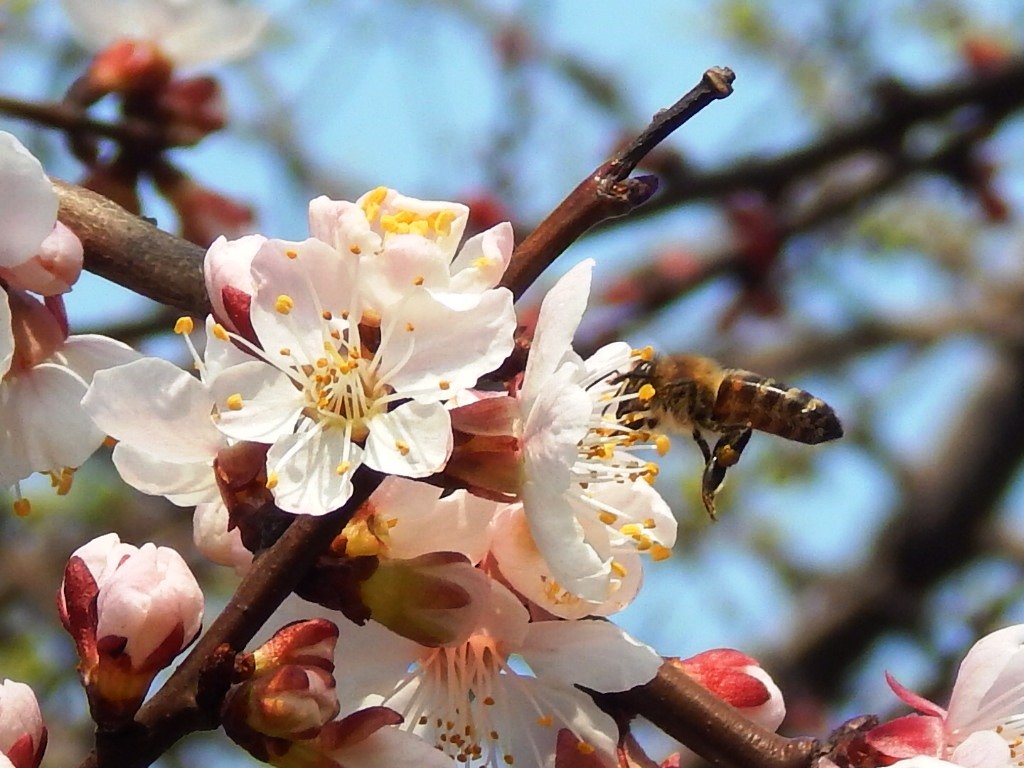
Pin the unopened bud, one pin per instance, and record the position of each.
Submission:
(739, 680)
(229, 280)
(22, 733)
(434, 599)
(130, 611)
(54, 269)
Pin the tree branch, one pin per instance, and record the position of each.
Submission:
(131, 252)
(608, 192)
(190, 700)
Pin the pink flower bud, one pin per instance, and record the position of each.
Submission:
(129, 66)
(54, 269)
(291, 694)
(196, 102)
(130, 611)
(229, 281)
(22, 733)
(738, 679)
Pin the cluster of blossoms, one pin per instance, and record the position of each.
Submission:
(377, 343)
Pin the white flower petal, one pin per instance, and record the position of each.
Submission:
(446, 345)
(28, 204)
(155, 407)
(483, 260)
(390, 747)
(88, 353)
(594, 654)
(990, 683)
(560, 315)
(984, 749)
(408, 261)
(46, 427)
(295, 283)
(211, 536)
(413, 440)
(271, 404)
(6, 335)
(306, 468)
(184, 484)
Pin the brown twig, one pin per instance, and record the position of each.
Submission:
(76, 121)
(715, 730)
(132, 252)
(190, 699)
(608, 192)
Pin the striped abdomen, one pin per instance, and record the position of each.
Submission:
(747, 399)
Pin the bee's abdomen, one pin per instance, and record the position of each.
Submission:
(745, 398)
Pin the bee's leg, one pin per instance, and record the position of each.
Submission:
(727, 452)
(698, 438)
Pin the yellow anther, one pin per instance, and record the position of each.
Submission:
(643, 543)
(391, 522)
(410, 327)
(606, 450)
(291, 254)
(489, 701)
(662, 444)
(482, 262)
(371, 205)
(284, 304)
(402, 446)
(109, 442)
(271, 481)
(22, 507)
(234, 402)
(286, 351)
(343, 467)
(509, 760)
(651, 470)
(418, 280)
(360, 541)
(420, 228)
(631, 529)
(584, 749)
(63, 484)
(444, 384)
(619, 569)
(326, 315)
(607, 518)
(660, 552)
(220, 333)
(646, 393)
(184, 325)
(545, 720)
(321, 362)
(646, 353)
(649, 523)
(441, 221)
(355, 250)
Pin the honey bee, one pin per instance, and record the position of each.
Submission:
(690, 393)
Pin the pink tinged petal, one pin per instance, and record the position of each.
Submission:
(576, 565)
(522, 565)
(315, 278)
(908, 736)
(47, 429)
(391, 748)
(432, 351)
(155, 407)
(916, 701)
(28, 204)
(103, 555)
(460, 522)
(212, 538)
(984, 749)
(594, 654)
(490, 416)
(413, 440)
(53, 269)
(152, 596)
(342, 225)
(483, 260)
(407, 261)
(990, 683)
(772, 711)
(6, 335)
(307, 471)
(88, 353)
(19, 716)
(921, 761)
(270, 403)
(560, 315)
(227, 269)
(185, 484)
